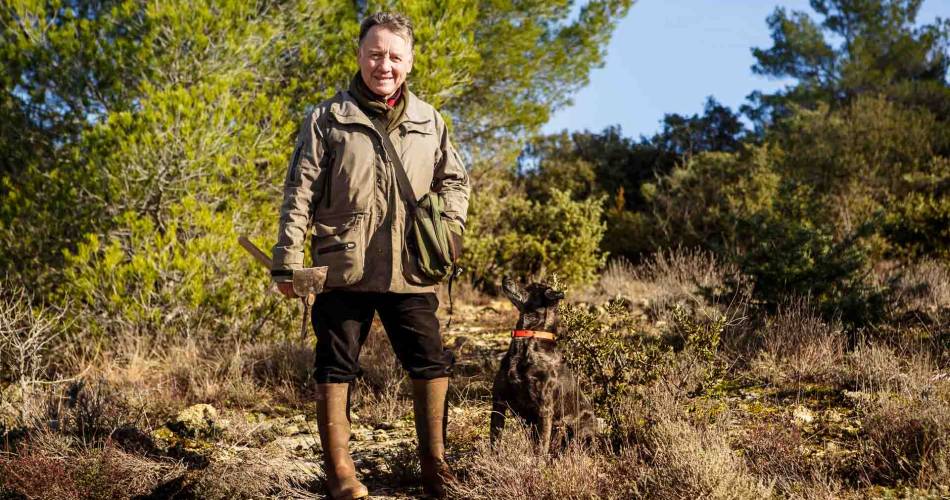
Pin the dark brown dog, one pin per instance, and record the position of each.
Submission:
(534, 381)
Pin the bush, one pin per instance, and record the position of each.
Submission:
(699, 203)
(48, 468)
(153, 282)
(515, 236)
(616, 361)
(609, 356)
(906, 439)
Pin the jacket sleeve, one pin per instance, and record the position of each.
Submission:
(304, 175)
(450, 179)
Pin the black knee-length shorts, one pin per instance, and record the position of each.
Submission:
(342, 321)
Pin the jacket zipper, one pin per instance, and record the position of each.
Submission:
(336, 248)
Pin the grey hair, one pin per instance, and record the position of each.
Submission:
(393, 21)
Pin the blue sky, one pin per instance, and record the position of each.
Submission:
(666, 56)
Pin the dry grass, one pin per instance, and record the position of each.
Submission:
(381, 395)
(717, 425)
(904, 404)
(907, 440)
(920, 290)
(679, 276)
(514, 470)
(683, 460)
(798, 346)
(51, 466)
(244, 472)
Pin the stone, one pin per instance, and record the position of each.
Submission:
(803, 415)
(289, 430)
(196, 420)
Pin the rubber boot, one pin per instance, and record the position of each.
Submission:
(334, 425)
(430, 409)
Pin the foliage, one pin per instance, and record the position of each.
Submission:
(528, 238)
(700, 203)
(600, 344)
(860, 159)
(144, 139)
(610, 164)
(615, 360)
(855, 48)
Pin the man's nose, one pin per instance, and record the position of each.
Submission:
(385, 65)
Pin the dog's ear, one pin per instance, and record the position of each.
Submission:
(514, 292)
(553, 295)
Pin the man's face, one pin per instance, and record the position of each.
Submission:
(385, 59)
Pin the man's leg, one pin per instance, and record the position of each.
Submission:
(413, 330)
(341, 321)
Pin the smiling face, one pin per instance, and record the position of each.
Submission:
(385, 60)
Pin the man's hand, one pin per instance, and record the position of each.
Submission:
(287, 289)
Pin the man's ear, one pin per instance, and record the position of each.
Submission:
(514, 292)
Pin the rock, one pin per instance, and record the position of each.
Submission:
(833, 416)
(163, 438)
(289, 430)
(858, 396)
(299, 443)
(196, 420)
(360, 434)
(803, 415)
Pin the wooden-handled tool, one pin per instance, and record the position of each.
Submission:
(257, 253)
(307, 282)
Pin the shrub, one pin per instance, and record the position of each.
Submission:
(615, 360)
(526, 238)
(513, 469)
(699, 203)
(600, 344)
(48, 467)
(685, 461)
(28, 339)
(906, 439)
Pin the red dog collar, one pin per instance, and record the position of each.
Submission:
(532, 333)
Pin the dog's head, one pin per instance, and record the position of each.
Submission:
(536, 303)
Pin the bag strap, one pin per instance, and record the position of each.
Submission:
(402, 179)
(407, 193)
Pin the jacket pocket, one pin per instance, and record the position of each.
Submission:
(339, 243)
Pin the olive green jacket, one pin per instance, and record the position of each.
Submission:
(340, 185)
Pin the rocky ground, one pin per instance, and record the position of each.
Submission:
(382, 450)
(796, 415)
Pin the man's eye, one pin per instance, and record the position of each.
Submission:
(396, 59)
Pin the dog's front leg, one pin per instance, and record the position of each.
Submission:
(547, 421)
(497, 420)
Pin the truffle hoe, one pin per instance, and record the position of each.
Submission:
(308, 282)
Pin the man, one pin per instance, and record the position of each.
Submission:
(341, 183)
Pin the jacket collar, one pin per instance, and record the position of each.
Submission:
(347, 111)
